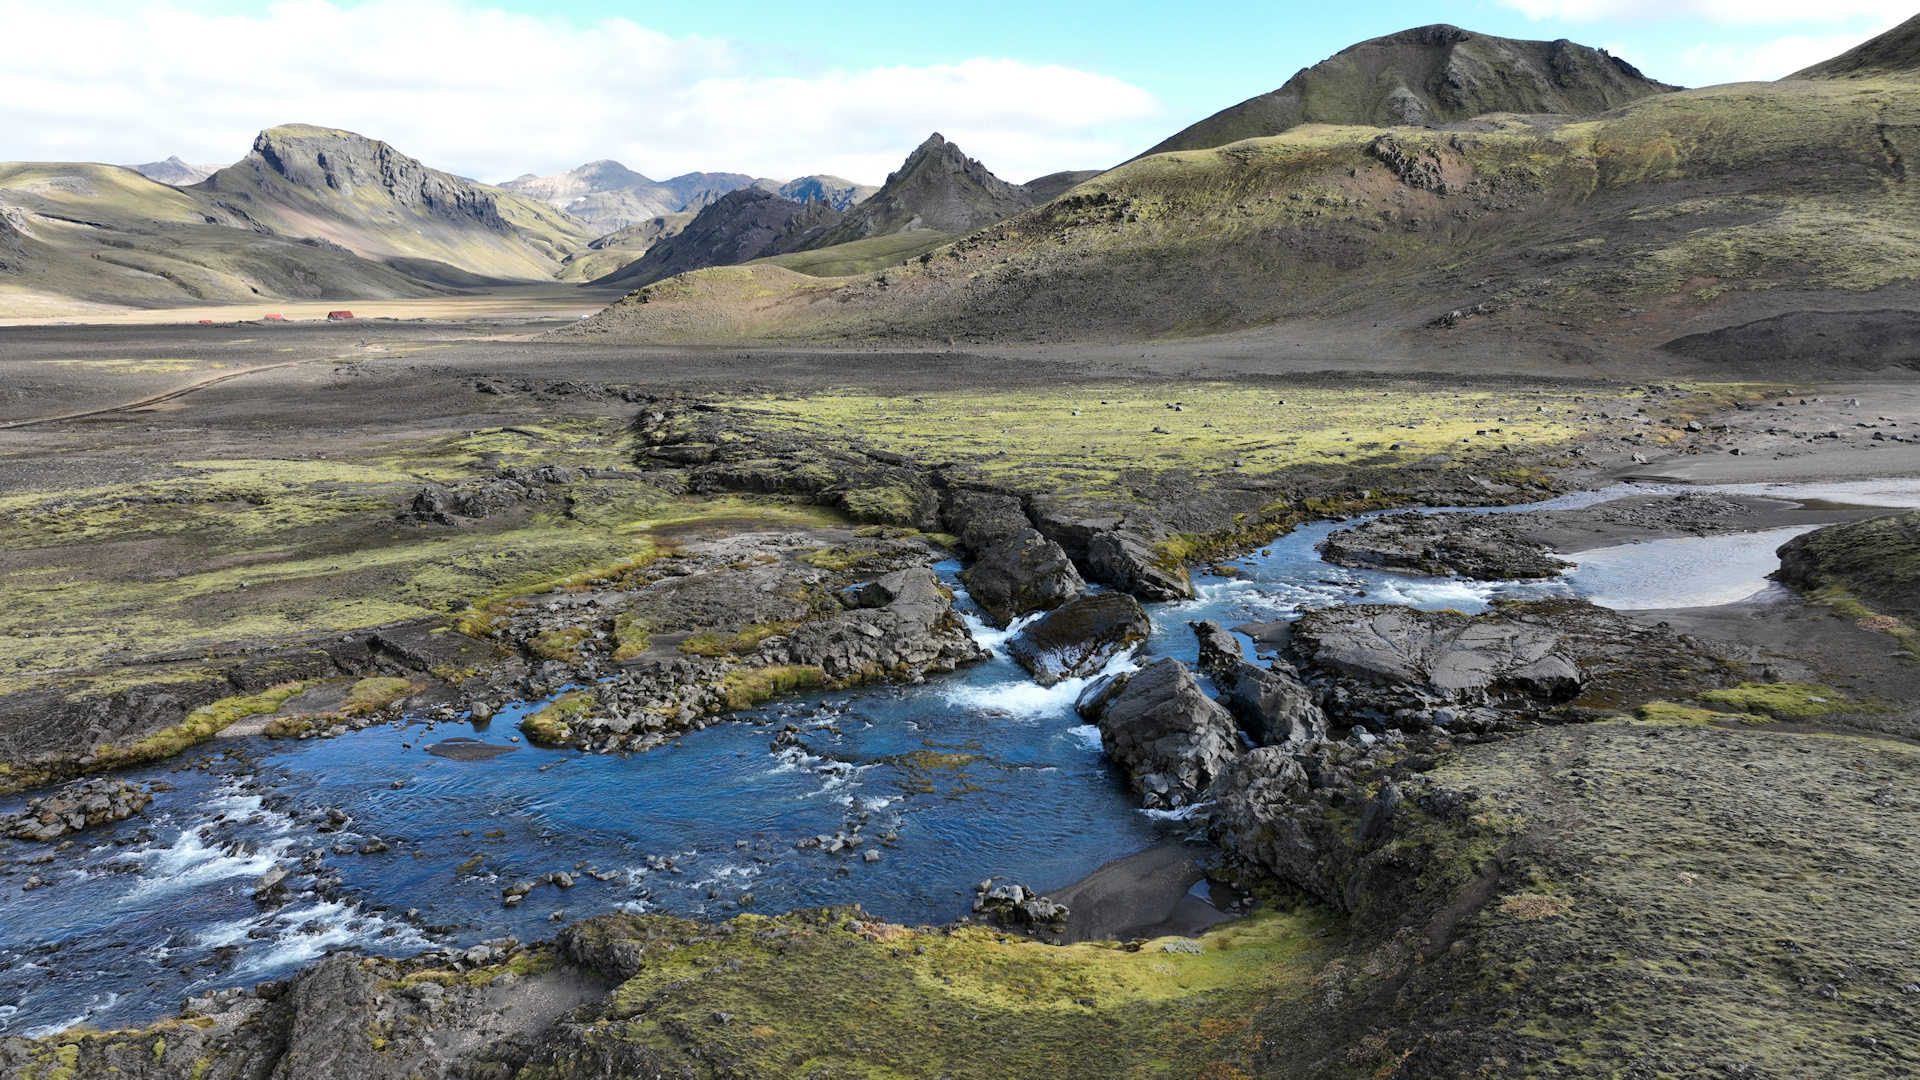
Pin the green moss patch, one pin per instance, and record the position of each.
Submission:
(1781, 701)
(746, 687)
(199, 726)
(553, 725)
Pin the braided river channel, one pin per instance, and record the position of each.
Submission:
(975, 774)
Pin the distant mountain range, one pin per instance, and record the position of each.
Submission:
(610, 196)
(176, 172)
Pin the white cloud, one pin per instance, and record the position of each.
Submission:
(1734, 12)
(491, 94)
(1707, 64)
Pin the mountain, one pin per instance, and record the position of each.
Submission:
(1053, 185)
(1429, 75)
(382, 205)
(836, 192)
(1895, 52)
(622, 247)
(309, 213)
(938, 187)
(609, 196)
(176, 172)
(103, 237)
(695, 190)
(740, 226)
(1541, 237)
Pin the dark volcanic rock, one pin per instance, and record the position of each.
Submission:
(1219, 650)
(75, 807)
(1126, 561)
(915, 631)
(1016, 905)
(982, 519)
(1025, 572)
(1172, 739)
(1393, 666)
(1388, 666)
(1463, 545)
(1079, 637)
(333, 1007)
(1272, 705)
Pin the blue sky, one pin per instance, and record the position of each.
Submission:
(494, 88)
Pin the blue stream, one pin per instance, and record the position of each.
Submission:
(138, 916)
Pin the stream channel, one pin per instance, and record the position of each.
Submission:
(976, 774)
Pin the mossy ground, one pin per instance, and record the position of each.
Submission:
(1101, 437)
(209, 555)
(1681, 901)
(818, 993)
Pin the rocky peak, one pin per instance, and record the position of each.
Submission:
(339, 166)
(938, 187)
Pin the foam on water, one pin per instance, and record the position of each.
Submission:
(1026, 700)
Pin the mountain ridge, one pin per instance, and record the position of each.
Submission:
(1428, 74)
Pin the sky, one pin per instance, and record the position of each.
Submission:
(492, 89)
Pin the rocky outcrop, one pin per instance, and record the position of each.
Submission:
(1017, 905)
(910, 631)
(1023, 573)
(1384, 666)
(1080, 637)
(1459, 545)
(75, 807)
(982, 519)
(1126, 561)
(1158, 724)
(727, 624)
(1390, 666)
(1877, 561)
(1271, 704)
(718, 452)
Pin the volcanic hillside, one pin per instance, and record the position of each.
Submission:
(381, 204)
(1682, 213)
(1432, 74)
(740, 226)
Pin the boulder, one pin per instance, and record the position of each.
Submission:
(1011, 905)
(1025, 572)
(1386, 665)
(1156, 723)
(1272, 705)
(1461, 545)
(1219, 650)
(1126, 561)
(982, 519)
(1079, 637)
